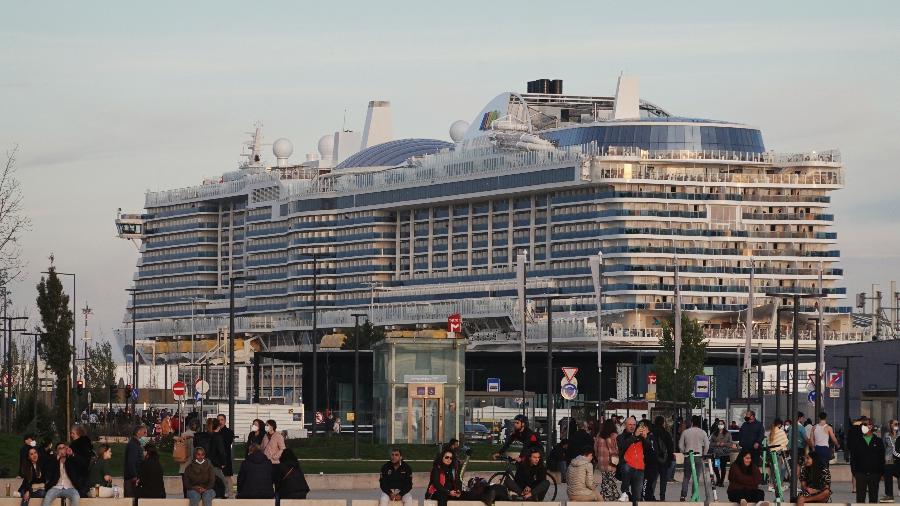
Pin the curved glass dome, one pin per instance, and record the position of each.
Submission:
(662, 137)
(391, 153)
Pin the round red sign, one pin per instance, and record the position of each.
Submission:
(179, 388)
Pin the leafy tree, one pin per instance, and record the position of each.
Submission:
(56, 350)
(100, 371)
(678, 386)
(368, 335)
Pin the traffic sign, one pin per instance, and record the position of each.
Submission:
(179, 389)
(201, 386)
(651, 378)
(570, 372)
(834, 393)
(834, 379)
(811, 397)
(493, 384)
(568, 388)
(454, 323)
(701, 386)
(134, 394)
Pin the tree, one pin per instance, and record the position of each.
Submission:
(678, 386)
(368, 335)
(100, 371)
(13, 221)
(56, 350)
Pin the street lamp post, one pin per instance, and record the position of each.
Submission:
(847, 391)
(134, 362)
(551, 407)
(315, 345)
(231, 378)
(356, 317)
(596, 264)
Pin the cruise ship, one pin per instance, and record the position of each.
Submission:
(410, 231)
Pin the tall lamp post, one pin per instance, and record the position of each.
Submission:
(846, 368)
(596, 264)
(315, 344)
(551, 407)
(896, 385)
(231, 378)
(134, 361)
(356, 317)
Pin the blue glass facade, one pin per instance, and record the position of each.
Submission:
(662, 137)
(393, 153)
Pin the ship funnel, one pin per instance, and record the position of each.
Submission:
(379, 126)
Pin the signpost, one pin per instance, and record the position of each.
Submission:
(651, 386)
(834, 393)
(811, 397)
(493, 384)
(701, 386)
(179, 389)
(834, 379)
(454, 323)
(568, 386)
(201, 386)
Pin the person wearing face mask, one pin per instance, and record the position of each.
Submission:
(721, 445)
(751, 434)
(199, 479)
(273, 442)
(255, 436)
(891, 459)
(134, 455)
(867, 456)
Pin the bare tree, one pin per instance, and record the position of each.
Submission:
(13, 221)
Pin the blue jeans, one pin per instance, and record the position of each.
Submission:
(824, 454)
(195, 497)
(69, 493)
(632, 482)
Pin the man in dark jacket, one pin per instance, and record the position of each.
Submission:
(868, 455)
(134, 455)
(396, 481)
(751, 435)
(665, 455)
(227, 444)
(65, 477)
(255, 477)
(520, 433)
(530, 482)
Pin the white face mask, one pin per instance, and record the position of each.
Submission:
(864, 429)
(254, 428)
(721, 425)
(269, 429)
(200, 461)
(33, 444)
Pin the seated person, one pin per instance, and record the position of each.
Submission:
(396, 481)
(815, 480)
(444, 484)
(33, 475)
(744, 479)
(64, 476)
(99, 476)
(200, 479)
(530, 483)
(255, 477)
(580, 477)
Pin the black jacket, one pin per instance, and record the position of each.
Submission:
(76, 470)
(443, 480)
(255, 478)
(578, 442)
(33, 474)
(528, 476)
(399, 479)
(134, 455)
(253, 437)
(227, 437)
(83, 448)
(290, 483)
(526, 437)
(868, 457)
(151, 480)
(212, 443)
(665, 446)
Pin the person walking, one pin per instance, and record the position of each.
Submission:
(868, 456)
(65, 478)
(721, 445)
(777, 446)
(273, 442)
(255, 480)
(150, 475)
(134, 455)
(396, 481)
(693, 440)
(654, 459)
(667, 450)
(200, 479)
(815, 480)
(606, 451)
(580, 477)
(744, 480)
(891, 459)
(751, 434)
(819, 436)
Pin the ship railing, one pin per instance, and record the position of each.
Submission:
(208, 191)
(601, 171)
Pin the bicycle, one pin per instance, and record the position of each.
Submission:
(499, 478)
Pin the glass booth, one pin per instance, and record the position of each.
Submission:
(418, 389)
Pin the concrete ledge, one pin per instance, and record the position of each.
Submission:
(241, 502)
(121, 501)
(159, 502)
(306, 502)
(525, 503)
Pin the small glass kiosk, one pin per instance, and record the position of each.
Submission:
(418, 389)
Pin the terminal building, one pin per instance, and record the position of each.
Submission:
(410, 231)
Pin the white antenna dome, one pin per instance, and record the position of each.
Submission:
(458, 130)
(326, 146)
(282, 148)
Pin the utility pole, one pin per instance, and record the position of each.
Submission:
(356, 317)
(846, 391)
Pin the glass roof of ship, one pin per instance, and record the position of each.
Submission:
(393, 153)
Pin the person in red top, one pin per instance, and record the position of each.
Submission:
(631, 461)
(744, 479)
(444, 484)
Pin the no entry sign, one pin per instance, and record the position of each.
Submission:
(179, 388)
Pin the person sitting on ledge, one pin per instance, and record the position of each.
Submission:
(396, 481)
(744, 479)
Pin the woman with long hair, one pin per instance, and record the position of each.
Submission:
(99, 474)
(150, 475)
(444, 484)
(32, 476)
(815, 480)
(720, 444)
(256, 435)
(744, 480)
(607, 453)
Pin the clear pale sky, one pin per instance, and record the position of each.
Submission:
(108, 100)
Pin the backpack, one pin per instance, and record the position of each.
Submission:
(662, 451)
(180, 451)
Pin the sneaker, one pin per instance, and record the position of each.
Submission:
(624, 497)
(887, 498)
(681, 499)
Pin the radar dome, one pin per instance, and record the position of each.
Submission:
(458, 130)
(282, 148)
(326, 146)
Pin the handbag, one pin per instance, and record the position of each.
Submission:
(613, 459)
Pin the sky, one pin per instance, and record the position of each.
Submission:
(109, 100)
